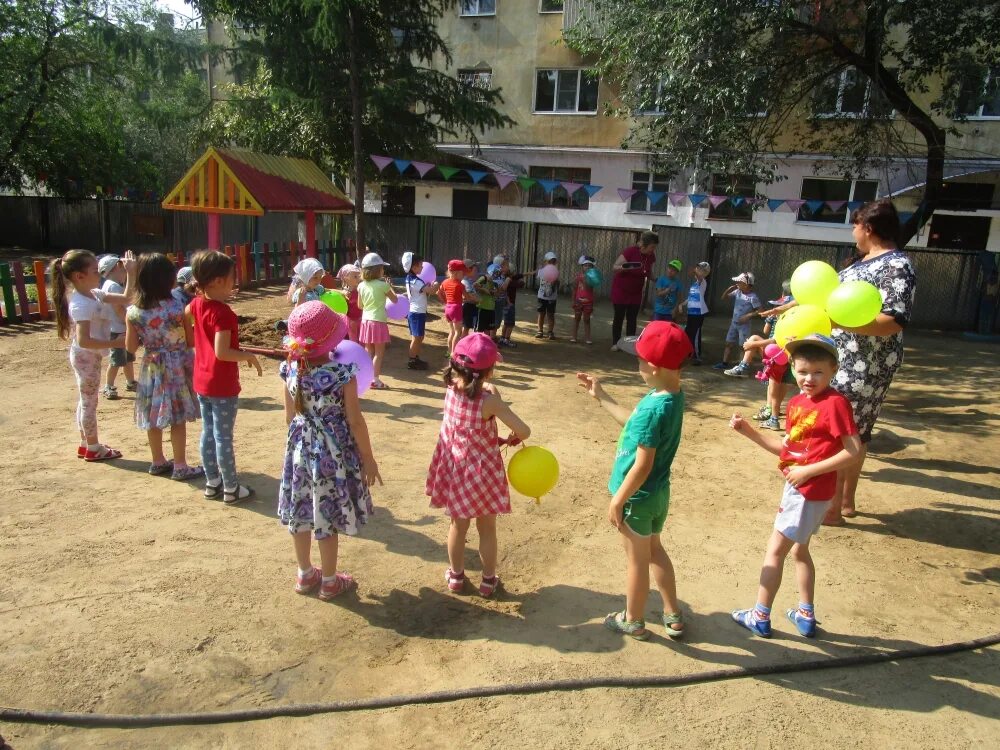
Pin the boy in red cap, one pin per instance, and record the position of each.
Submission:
(640, 479)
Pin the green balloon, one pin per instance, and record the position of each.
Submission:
(813, 281)
(854, 304)
(593, 277)
(335, 301)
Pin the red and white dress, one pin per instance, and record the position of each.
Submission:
(466, 476)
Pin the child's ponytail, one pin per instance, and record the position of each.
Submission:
(469, 380)
(60, 272)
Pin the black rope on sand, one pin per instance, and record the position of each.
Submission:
(132, 721)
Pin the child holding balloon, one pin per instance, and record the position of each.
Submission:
(373, 291)
(306, 283)
(548, 294)
(640, 479)
(417, 291)
(349, 276)
(583, 298)
(466, 476)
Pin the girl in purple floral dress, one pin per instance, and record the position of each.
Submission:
(328, 457)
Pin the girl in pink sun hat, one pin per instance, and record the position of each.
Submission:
(466, 476)
(329, 464)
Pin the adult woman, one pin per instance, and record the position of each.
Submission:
(632, 268)
(871, 354)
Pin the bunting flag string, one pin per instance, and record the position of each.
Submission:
(381, 161)
(773, 204)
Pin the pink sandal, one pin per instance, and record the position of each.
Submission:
(342, 582)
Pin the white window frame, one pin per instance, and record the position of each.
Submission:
(850, 198)
(649, 186)
(841, 86)
(991, 74)
(555, 100)
(545, 12)
(659, 96)
(474, 78)
(479, 13)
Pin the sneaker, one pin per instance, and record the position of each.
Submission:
(455, 581)
(331, 589)
(740, 371)
(614, 348)
(110, 393)
(552, 336)
(416, 364)
(308, 583)
(763, 414)
(805, 625)
(721, 366)
(750, 621)
(510, 344)
(132, 386)
(771, 423)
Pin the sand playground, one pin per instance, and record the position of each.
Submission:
(125, 593)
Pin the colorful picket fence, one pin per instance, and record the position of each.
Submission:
(16, 305)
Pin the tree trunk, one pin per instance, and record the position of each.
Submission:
(933, 186)
(357, 112)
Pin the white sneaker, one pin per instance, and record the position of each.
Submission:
(615, 348)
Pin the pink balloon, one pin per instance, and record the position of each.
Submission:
(549, 274)
(349, 353)
(776, 353)
(427, 273)
(399, 309)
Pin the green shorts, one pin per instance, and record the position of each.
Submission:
(647, 516)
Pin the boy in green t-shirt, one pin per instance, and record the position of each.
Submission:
(640, 479)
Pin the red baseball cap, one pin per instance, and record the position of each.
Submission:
(456, 265)
(477, 351)
(661, 343)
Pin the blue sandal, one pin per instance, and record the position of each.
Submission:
(669, 620)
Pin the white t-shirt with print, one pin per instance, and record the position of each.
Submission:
(113, 287)
(415, 291)
(96, 310)
(547, 290)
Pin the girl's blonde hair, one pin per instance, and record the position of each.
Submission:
(373, 273)
(61, 271)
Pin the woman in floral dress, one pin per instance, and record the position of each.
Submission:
(871, 354)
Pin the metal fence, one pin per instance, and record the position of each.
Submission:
(569, 243)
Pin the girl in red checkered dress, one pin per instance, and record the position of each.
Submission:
(467, 476)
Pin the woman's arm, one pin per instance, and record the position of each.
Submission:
(883, 325)
(359, 429)
(619, 261)
(224, 351)
(131, 337)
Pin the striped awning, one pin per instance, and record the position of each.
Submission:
(233, 181)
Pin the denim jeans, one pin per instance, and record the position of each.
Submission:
(218, 416)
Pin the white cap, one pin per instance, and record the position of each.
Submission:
(185, 275)
(744, 278)
(371, 260)
(550, 256)
(107, 263)
(407, 261)
(499, 258)
(584, 260)
(704, 267)
(305, 269)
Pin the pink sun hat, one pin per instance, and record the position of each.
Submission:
(477, 352)
(313, 331)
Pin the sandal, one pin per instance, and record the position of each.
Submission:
(674, 618)
(539, 335)
(81, 451)
(184, 473)
(157, 470)
(212, 490)
(341, 582)
(489, 586)
(636, 629)
(455, 581)
(308, 584)
(378, 385)
(104, 453)
(241, 493)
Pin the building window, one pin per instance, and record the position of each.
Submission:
(558, 197)
(478, 80)
(651, 98)
(478, 8)
(980, 93)
(551, 6)
(838, 191)
(566, 91)
(845, 94)
(733, 186)
(470, 204)
(653, 181)
(399, 200)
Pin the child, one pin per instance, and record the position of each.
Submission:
(757, 343)
(668, 288)
(186, 289)
(372, 294)
(583, 299)
(84, 317)
(501, 281)
(417, 290)
(113, 272)
(822, 438)
(640, 479)
(548, 294)
(470, 308)
(746, 303)
(306, 283)
(514, 282)
(165, 398)
(453, 293)
(328, 456)
(350, 276)
(216, 372)
(466, 475)
(486, 291)
(697, 307)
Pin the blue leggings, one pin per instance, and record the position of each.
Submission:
(218, 416)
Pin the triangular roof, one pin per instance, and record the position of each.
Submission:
(234, 181)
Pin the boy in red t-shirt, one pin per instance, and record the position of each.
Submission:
(821, 438)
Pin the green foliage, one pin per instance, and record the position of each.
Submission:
(95, 94)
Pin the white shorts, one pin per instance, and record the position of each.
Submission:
(738, 333)
(798, 519)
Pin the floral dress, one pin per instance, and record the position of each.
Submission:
(322, 483)
(868, 363)
(165, 393)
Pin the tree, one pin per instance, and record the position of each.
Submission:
(362, 69)
(94, 94)
(709, 67)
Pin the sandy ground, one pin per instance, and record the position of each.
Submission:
(125, 593)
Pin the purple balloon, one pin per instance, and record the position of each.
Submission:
(427, 273)
(399, 309)
(349, 353)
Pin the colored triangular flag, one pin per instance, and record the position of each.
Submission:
(476, 175)
(526, 182)
(503, 179)
(774, 204)
(676, 199)
(593, 190)
(448, 172)
(626, 193)
(548, 185)
(738, 200)
(423, 167)
(794, 203)
(717, 200)
(697, 199)
(571, 187)
(401, 164)
(836, 205)
(853, 206)
(655, 196)
(381, 161)
(814, 206)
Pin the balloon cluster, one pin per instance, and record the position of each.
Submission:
(824, 301)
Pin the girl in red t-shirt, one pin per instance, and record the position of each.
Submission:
(216, 372)
(452, 293)
(583, 299)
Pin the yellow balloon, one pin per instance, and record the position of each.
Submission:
(533, 471)
(813, 281)
(800, 321)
